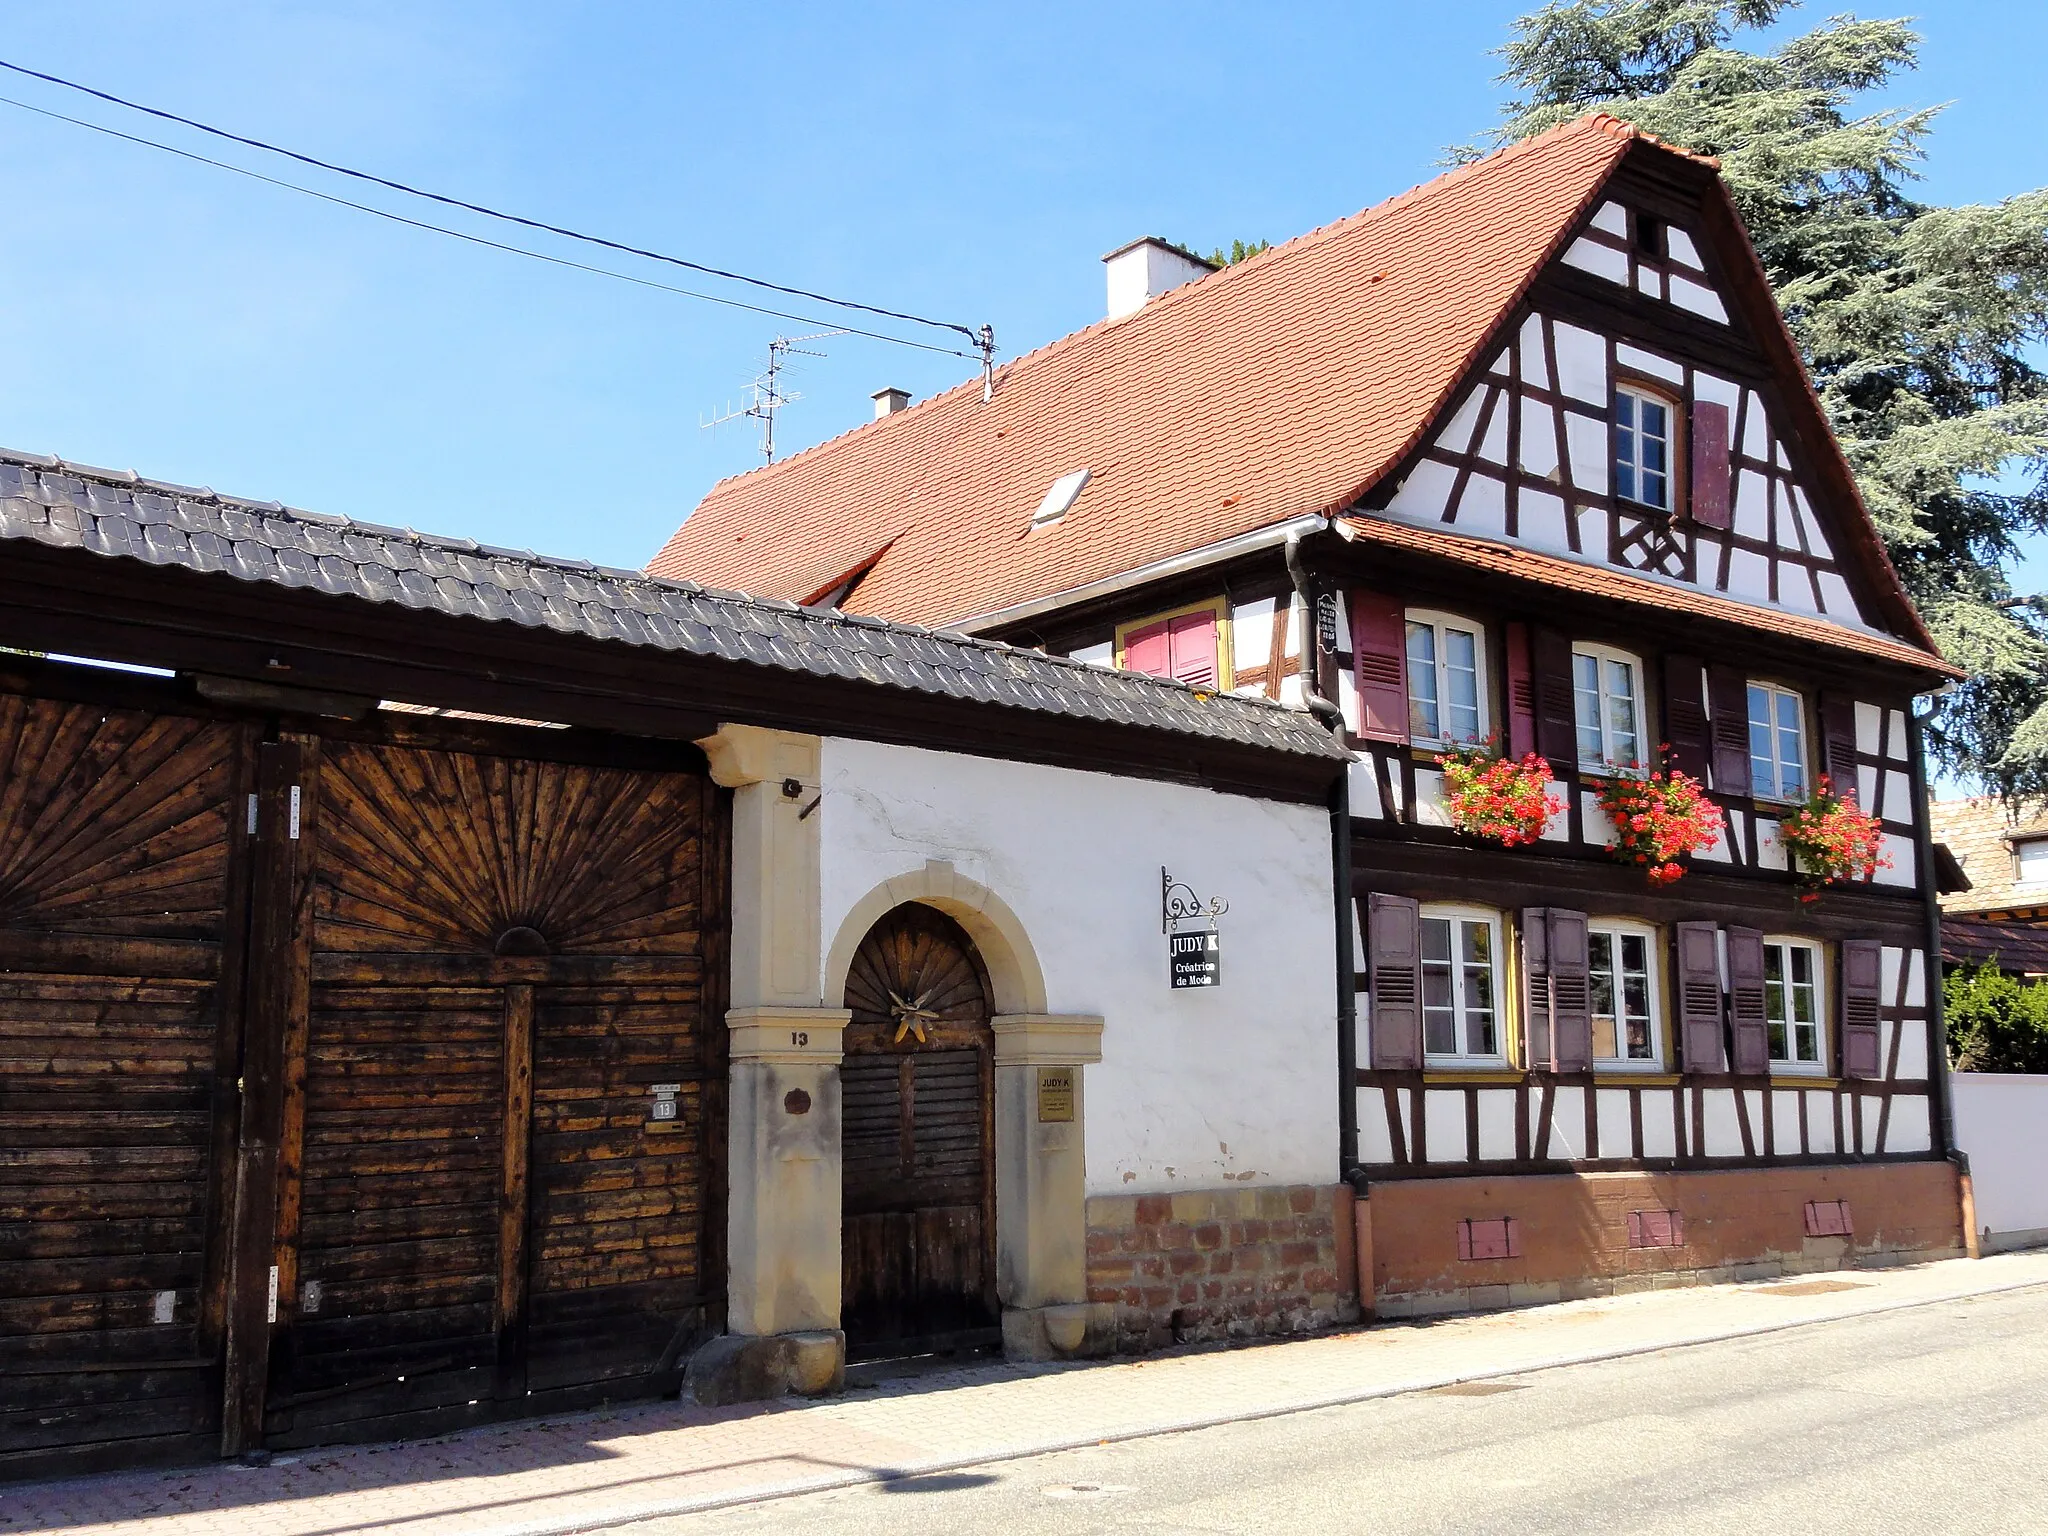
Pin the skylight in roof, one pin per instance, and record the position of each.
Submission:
(1059, 498)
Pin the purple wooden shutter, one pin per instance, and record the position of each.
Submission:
(1557, 728)
(1838, 742)
(1710, 464)
(1685, 715)
(1379, 652)
(1394, 939)
(1728, 693)
(1862, 1000)
(1571, 1008)
(1193, 640)
(1536, 987)
(1699, 998)
(1746, 1000)
(1521, 693)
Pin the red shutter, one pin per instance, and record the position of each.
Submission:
(1699, 999)
(1728, 692)
(1746, 1000)
(1710, 464)
(1862, 1000)
(1685, 715)
(1536, 987)
(1394, 937)
(1557, 728)
(1150, 650)
(1193, 647)
(1521, 693)
(1379, 649)
(1838, 742)
(1571, 1009)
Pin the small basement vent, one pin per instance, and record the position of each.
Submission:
(1059, 498)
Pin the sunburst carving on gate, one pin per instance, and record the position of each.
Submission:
(112, 821)
(450, 851)
(915, 980)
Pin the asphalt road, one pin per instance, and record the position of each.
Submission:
(1933, 1419)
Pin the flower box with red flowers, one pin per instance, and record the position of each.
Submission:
(1831, 842)
(1659, 818)
(1505, 800)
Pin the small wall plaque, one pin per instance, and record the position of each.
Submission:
(663, 1110)
(1056, 1095)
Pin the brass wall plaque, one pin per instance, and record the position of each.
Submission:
(1055, 1095)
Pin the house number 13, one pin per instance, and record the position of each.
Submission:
(799, 1037)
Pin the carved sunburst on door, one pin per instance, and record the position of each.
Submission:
(916, 981)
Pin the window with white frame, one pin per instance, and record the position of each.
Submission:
(1627, 1024)
(1777, 743)
(2030, 861)
(1446, 679)
(1643, 447)
(1461, 1020)
(1792, 1004)
(1607, 700)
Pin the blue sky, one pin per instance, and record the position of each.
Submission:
(968, 163)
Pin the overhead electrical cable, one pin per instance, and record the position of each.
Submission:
(980, 338)
(495, 245)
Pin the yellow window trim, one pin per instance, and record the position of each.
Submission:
(1450, 1075)
(1226, 640)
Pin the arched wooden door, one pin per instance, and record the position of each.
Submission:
(917, 1141)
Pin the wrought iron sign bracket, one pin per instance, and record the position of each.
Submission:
(1178, 903)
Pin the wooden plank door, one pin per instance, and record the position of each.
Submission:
(117, 1031)
(508, 955)
(917, 1149)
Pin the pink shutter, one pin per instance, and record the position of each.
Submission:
(1536, 987)
(1746, 1017)
(1571, 1009)
(1379, 650)
(1394, 940)
(1862, 1007)
(1838, 742)
(1521, 693)
(1699, 999)
(1685, 715)
(1710, 464)
(1150, 650)
(1557, 727)
(1192, 639)
(1728, 693)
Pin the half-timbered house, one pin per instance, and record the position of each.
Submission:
(1526, 455)
(439, 983)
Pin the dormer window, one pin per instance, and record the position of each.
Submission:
(1644, 442)
(2030, 861)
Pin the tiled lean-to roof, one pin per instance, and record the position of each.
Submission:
(120, 516)
(1981, 832)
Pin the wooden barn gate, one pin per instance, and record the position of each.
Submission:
(354, 1084)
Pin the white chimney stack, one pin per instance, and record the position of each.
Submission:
(1146, 268)
(889, 401)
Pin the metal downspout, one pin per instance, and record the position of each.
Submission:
(1937, 1024)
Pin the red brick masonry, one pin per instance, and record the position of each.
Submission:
(1573, 1232)
(1221, 1264)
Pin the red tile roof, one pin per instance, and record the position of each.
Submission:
(1643, 591)
(1286, 385)
(1283, 385)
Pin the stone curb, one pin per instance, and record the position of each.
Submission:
(833, 1481)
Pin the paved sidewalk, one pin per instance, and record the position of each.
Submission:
(597, 1469)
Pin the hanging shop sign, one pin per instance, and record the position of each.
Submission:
(1194, 947)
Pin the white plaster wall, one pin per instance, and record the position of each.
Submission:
(1197, 1088)
(1999, 1121)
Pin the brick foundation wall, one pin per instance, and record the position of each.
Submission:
(1550, 1237)
(1221, 1264)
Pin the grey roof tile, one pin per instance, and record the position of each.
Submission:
(114, 513)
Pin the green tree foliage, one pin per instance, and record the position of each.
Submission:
(1239, 251)
(1922, 325)
(1995, 1022)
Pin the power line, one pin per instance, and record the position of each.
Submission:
(492, 213)
(495, 245)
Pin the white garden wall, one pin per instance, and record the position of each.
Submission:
(1199, 1088)
(2002, 1122)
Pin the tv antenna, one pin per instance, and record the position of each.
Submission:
(766, 396)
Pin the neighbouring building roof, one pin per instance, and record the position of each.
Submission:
(118, 515)
(1285, 386)
(2012, 947)
(1981, 833)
